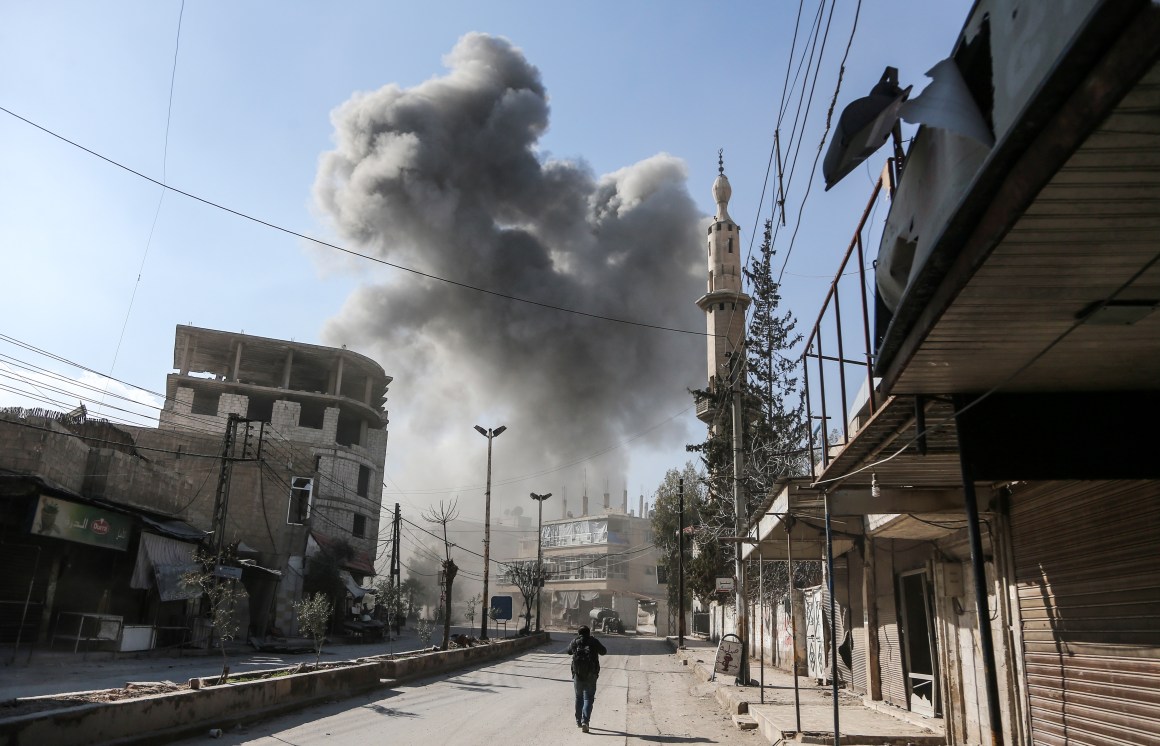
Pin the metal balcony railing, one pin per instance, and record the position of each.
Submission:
(835, 358)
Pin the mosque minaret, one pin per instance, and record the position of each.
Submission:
(724, 303)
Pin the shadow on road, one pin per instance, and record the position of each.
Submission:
(389, 711)
(649, 738)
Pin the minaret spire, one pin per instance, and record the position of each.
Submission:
(724, 302)
(722, 190)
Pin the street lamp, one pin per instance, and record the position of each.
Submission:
(489, 434)
(539, 552)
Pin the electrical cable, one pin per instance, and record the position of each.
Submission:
(161, 197)
(351, 252)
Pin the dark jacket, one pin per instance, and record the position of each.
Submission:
(597, 647)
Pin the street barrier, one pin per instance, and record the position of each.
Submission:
(163, 718)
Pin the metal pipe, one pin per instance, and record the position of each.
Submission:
(681, 565)
(833, 620)
(866, 321)
(986, 644)
(841, 368)
(797, 702)
(761, 615)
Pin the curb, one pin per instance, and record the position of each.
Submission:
(163, 718)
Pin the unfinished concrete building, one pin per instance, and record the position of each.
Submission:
(319, 415)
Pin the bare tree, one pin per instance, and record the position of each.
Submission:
(443, 515)
(523, 576)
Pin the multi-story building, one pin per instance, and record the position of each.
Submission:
(298, 415)
(318, 412)
(603, 560)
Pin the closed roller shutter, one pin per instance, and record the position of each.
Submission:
(1087, 565)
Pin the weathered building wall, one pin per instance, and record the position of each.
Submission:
(46, 448)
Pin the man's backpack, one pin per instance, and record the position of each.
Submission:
(583, 660)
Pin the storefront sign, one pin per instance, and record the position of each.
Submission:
(85, 524)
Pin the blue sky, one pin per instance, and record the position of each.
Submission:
(252, 97)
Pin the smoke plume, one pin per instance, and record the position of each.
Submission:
(446, 177)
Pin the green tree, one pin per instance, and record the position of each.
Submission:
(702, 550)
(390, 597)
(323, 576)
(775, 410)
(773, 423)
(314, 613)
(223, 595)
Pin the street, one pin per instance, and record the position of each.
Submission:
(644, 696)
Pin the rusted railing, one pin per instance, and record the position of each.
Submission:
(815, 350)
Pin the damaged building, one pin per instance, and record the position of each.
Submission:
(271, 449)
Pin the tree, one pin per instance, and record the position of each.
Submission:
(524, 576)
(314, 613)
(443, 515)
(223, 595)
(390, 597)
(472, 605)
(775, 409)
(702, 555)
(772, 413)
(323, 575)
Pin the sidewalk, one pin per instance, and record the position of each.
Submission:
(59, 671)
(772, 709)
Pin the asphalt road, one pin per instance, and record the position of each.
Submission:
(644, 696)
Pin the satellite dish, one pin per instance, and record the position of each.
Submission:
(864, 126)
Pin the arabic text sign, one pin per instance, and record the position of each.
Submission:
(71, 521)
(728, 657)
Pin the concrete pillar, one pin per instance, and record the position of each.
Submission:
(237, 361)
(286, 369)
(368, 391)
(185, 356)
(338, 378)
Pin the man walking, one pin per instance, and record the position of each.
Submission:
(585, 651)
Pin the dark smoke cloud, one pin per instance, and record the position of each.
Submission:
(445, 177)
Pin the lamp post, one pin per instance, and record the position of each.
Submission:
(489, 434)
(539, 552)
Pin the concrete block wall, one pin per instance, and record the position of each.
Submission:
(178, 415)
(233, 404)
(133, 480)
(47, 450)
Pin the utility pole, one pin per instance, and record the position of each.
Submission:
(736, 364)
(539, 553)
(222, 496)
(681, 564)
(396, 576)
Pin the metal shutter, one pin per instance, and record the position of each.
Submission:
(1087, 565)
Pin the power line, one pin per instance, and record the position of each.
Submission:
(161, 197)
(351, 252)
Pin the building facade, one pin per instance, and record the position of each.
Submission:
(273, 449)
(603, 560)
(993, 496)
